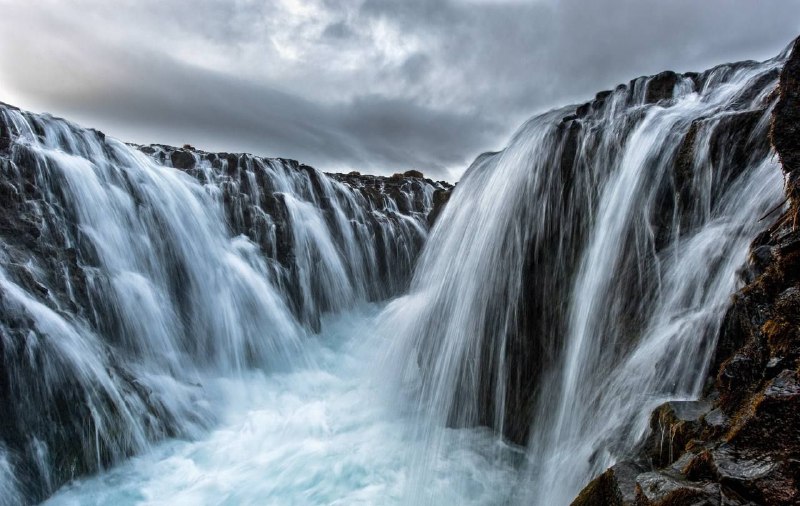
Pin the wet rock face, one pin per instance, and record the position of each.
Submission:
(661, 86)
(615, 487)
(440, 199)
(786, 121)
(673, 426)
(741, 443)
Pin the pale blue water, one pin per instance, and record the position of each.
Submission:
(328, 433)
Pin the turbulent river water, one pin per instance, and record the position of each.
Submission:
(324, 433)
(247, 331)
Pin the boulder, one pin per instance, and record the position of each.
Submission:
(615, 487)
(183, 160)
(673, 425)
(661, 86)
(657, 488)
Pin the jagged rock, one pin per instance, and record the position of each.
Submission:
(771, 421)
(440, 198)
(661, 489)
(757, 477)
(661, 86)
(716, 421)
(785, 131)
(615, 487)
(673, 425)
(182, 159)
(413, 173)
(583, 110)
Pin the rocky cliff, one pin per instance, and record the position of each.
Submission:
(740, 443)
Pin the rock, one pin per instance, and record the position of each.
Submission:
(661, 86)
(413, 173)
(182, 160)
(440, 198)
(772, 420)
(673, 425)
(615, 487)
(785, 131)
(5, 138)
(583, 110)
(716, 420)
(660, 489)
(757, 477)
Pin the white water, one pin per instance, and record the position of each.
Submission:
(325, 434)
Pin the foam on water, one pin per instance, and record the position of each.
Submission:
(320, 434)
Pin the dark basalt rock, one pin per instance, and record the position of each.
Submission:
(440, 198)
(786, 120)
(663, 489)
(182, 159)
(583, 110)
(673, 425)
(255, 206)
(661, 86)
(615, 487)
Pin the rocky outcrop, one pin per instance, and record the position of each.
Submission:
(740, 444)
(440, 198)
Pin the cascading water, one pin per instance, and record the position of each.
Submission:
(226, 305)
(124, 287)
(578, 278)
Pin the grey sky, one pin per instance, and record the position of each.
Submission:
(372, 85)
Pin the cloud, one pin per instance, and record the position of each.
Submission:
(373, 85)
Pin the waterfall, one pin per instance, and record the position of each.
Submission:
(223, 316)
(577, 279)
(130, 275)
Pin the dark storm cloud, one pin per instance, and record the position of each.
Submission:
(374, 85)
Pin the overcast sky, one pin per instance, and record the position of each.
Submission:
(371, 85)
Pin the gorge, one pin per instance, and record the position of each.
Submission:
(603, 312)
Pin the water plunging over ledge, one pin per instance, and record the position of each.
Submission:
(578, 278)
(159, 326)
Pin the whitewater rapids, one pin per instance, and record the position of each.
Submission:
(324, 433)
